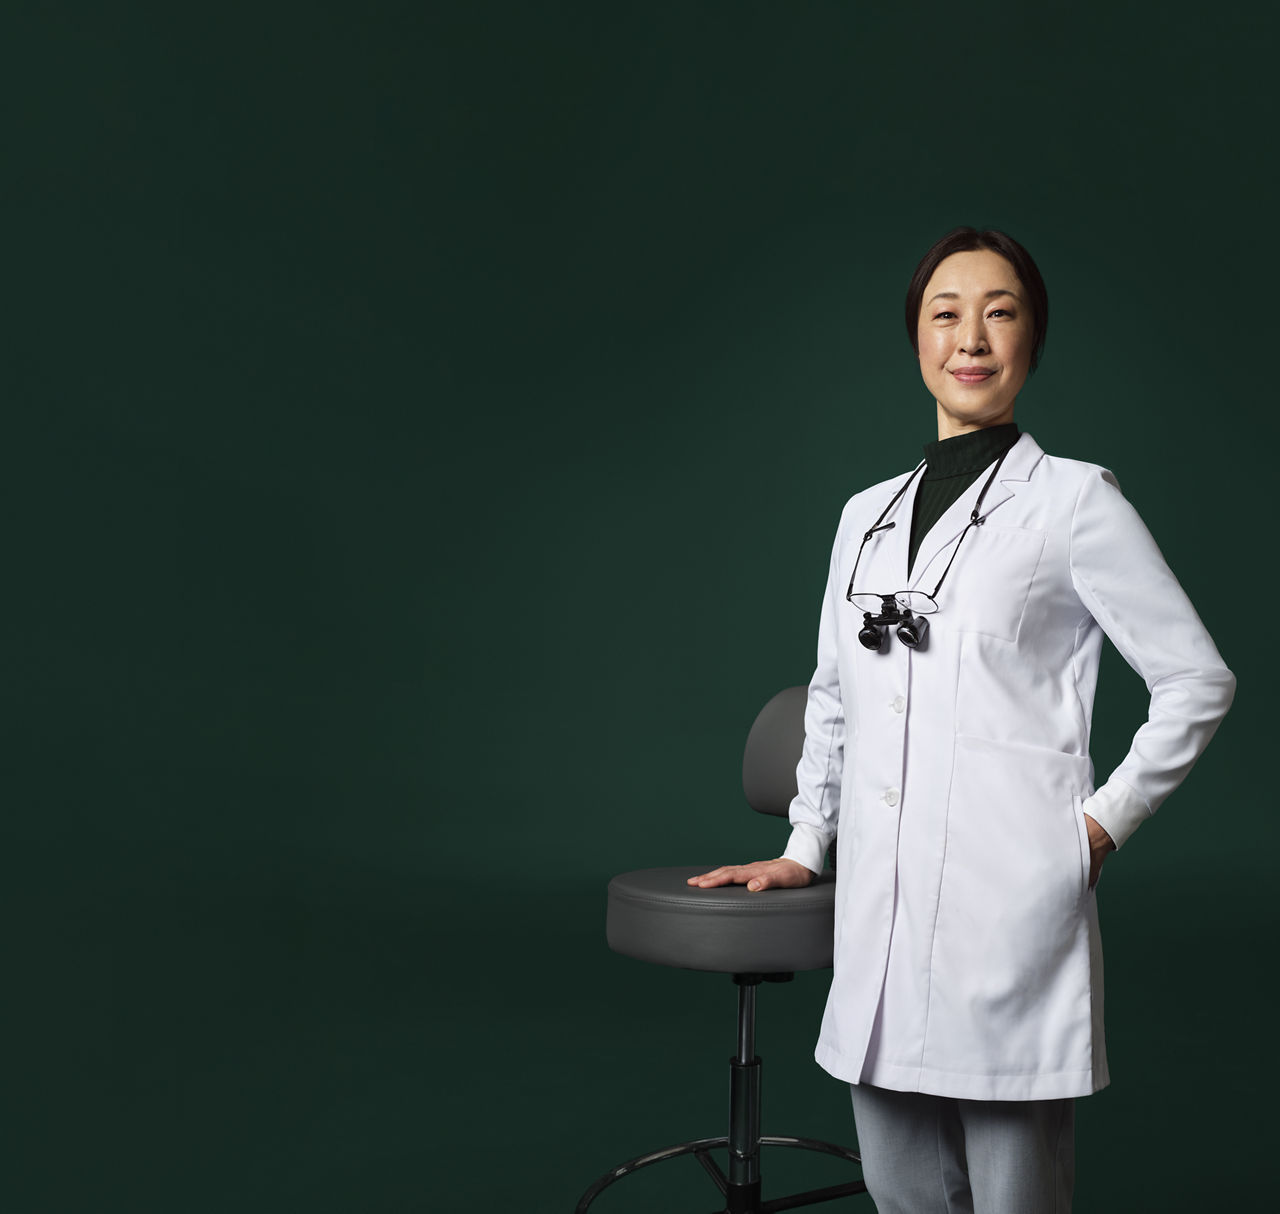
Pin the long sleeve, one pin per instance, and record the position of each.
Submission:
(815, 811)
(1122, 579)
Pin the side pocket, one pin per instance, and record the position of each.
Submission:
(1082, 831)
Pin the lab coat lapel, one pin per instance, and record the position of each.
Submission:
(936, 544)
(935, 548)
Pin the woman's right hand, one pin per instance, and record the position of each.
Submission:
(763, 874)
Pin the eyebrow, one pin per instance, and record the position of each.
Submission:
(988, 295)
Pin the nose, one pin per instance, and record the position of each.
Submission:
(973, 337)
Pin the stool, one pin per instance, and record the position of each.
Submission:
(653, 915)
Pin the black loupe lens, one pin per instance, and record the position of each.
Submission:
(913, 631)
(872, 636)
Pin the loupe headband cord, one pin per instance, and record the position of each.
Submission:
(876, 525)
(974, 520)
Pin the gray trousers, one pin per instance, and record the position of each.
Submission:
(925, 1154)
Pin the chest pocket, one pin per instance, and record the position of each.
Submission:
(987, 589)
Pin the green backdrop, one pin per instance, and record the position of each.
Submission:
(425, 429)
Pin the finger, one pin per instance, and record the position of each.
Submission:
(720, 876)
(738, 874)
(715, 872)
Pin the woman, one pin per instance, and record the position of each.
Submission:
(947, 755)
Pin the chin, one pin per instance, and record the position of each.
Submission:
(986, 415)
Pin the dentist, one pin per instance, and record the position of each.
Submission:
(946, 756)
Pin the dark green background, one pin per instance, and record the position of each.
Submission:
(425, 428)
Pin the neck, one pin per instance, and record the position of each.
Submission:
(953, 427)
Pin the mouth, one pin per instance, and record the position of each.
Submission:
(972, 375)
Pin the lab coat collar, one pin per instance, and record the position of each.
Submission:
(935, 548)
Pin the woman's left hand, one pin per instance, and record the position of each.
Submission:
(1099, 845)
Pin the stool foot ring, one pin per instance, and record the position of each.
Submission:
(739, 1202)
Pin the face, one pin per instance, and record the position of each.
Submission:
(975, 331)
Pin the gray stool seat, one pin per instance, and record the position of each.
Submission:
(653, 915)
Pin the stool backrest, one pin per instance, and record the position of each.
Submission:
(773, 751)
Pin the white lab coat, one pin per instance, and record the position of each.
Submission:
(967, 956)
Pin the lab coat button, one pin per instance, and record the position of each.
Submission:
(899, 703)
(891, 796)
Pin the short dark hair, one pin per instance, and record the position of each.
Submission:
(966, 240)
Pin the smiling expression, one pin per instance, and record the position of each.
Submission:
(975, 331)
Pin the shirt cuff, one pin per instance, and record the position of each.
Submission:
(1118, 809)
(806, 846)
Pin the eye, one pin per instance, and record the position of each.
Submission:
(1000, 312)
(943, 315)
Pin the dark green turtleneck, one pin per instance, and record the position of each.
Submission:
(953, 464)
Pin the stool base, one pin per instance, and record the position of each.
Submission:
(741, 1188)
(739, 1199)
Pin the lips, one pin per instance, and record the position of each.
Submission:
(972, 375)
